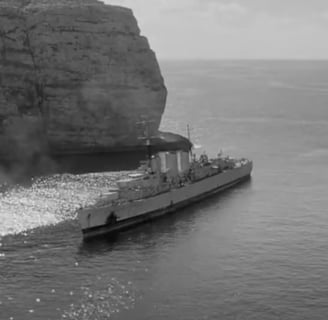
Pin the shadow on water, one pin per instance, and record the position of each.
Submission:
(22, 172)
(83, 163)
(146, 232)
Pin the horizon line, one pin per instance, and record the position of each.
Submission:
(246, 59)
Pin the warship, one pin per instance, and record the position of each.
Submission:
(164, 183)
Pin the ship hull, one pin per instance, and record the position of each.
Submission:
(96, 222)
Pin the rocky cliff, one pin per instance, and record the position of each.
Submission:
(74, 75)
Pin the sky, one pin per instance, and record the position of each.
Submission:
(233, 29)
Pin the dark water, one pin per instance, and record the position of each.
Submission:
(258, 251)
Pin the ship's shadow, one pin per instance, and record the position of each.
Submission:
(159, 227)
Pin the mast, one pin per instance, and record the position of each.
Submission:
(188, 135)
(188, 131)
(145, 126)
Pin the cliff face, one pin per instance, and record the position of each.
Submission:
(74, 75)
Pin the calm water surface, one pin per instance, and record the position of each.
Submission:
(258, 251)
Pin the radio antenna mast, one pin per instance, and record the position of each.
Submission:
(145, 126)
(188, 135)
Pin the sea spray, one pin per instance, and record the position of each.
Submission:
(52, 199)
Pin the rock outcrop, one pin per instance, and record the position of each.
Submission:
(74, 75)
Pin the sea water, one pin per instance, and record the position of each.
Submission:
(258, 251)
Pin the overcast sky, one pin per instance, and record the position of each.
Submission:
(233, 29)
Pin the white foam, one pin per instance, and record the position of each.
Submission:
(51, 200)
